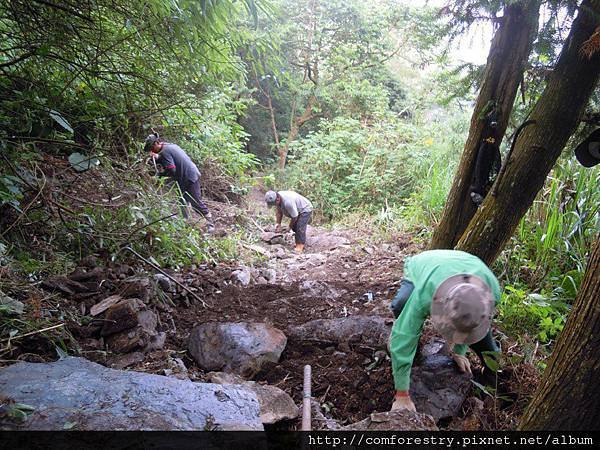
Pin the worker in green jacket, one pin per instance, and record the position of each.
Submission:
(459, 292)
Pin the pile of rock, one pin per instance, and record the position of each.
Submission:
(129, 325)
(119, 303)
(245, 276)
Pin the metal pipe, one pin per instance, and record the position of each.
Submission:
(306, 396)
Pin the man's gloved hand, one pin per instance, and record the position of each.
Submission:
(402, 401)
(462, 362)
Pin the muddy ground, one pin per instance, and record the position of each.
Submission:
(342, 273)
(323, 283)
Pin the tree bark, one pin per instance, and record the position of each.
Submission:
(310, 61)
(267, 93)
(506, 62)
(569, 393)
(297, 122)
(557, 114)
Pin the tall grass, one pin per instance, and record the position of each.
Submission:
(554, 237)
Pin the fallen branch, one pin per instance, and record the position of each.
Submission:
(135, 230)
(256, 224)
(256, 248)
(155, 267)
(33, 332)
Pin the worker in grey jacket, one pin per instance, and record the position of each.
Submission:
(175, 163)
(297, 208)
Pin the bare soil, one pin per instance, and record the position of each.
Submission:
(343, 273)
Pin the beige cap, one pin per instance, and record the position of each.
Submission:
(462, 309)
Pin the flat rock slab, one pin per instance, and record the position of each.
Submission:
(437, 387)
(326, 240)
(320, 289)
(275, 404)
(399, 420)
(240, 347)
(273, 238)
(82, 395)
(372, 331)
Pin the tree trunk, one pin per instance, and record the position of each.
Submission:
(267, 93)
(506, 62)
(310, 62)
(297, 122)
(568, 397)
(557, 114)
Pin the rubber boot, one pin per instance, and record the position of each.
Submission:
(299, 248)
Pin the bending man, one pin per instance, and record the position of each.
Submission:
(176, 164)
(459, 292)
(297, 208)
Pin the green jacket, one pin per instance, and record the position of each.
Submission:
(427, 271)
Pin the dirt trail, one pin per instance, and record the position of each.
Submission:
(340, 275)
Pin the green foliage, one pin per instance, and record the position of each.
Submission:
(399, 170)
(94, 78)
(362, 165)
(532, 314)
(208, 129)
(330, 62)
(16, 411)
(553, 240)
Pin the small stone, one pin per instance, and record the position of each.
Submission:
(164, 282)
(275, 404)
(157, 342)
(102, 306)
(243, 276)
(64, 285)
(129, 340)
(398, 420)
(270, 275)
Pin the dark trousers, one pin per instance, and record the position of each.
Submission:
(487, 344)
(299, 228)
(191, 193)
(487, 162)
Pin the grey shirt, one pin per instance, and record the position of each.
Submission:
(294, 204)
(172, 156)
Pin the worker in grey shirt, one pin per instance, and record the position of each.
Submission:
(297, 208)
(175, 163)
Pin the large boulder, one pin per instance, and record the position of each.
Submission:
(399, 420)
(437, 387)
(77, 394)
(275, 404)
(372, 331)
(241, 348)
